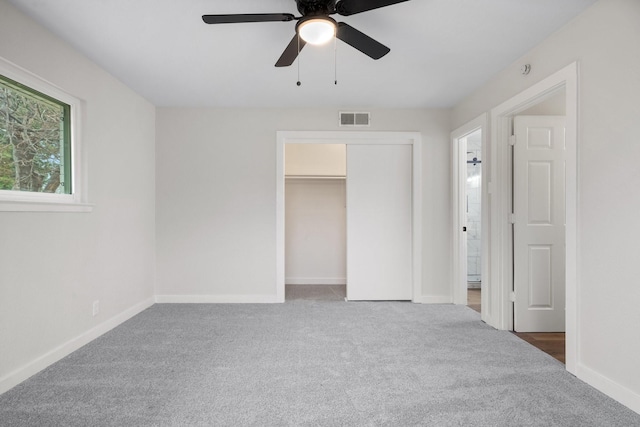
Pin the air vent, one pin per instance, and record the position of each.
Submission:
(355, 119)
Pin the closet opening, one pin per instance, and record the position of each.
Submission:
(375, 189)
(315, 222)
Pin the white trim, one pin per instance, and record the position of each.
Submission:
(434, 299)
(53, 206)
(315, 280)
(458, 199)
(501, 254)
(622, 394)
(21, 374)
(216, 299)
(417, 216)
(350, 137)
(13, 201)
(280, 224)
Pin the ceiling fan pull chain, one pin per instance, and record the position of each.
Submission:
(298, 60)
(335, 60)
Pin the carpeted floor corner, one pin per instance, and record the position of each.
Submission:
(308, 363)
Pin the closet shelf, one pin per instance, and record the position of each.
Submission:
(315, 177)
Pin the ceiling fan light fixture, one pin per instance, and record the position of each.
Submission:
(317, 31)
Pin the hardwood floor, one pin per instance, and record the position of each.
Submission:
(552, 343)
(473, 299)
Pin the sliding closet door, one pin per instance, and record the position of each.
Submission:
(379, 222)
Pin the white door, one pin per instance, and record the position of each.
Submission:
(379, 222)
(539, 228)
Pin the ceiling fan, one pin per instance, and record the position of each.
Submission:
(315, 26)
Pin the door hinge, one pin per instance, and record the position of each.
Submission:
(512, 297)
(512, 140)
(512, 218)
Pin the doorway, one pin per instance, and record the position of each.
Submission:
(474, 210)
(377, 141)
(501, 254)
(470, 214)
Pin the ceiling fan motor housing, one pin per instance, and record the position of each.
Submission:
(315, 26)
(316, 7)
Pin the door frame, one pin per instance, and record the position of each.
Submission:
(500, 190)
(346, 137)
(459, 181)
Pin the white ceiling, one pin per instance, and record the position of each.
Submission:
(441, 50)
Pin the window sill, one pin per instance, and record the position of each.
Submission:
(40, 206)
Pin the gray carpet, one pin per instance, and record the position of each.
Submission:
(310, 363)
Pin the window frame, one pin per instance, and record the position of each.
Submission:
(26, 201)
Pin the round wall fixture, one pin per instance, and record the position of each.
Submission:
(525, 69)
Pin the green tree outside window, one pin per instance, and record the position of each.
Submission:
(35, 148)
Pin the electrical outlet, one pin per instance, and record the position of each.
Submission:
(96, 307)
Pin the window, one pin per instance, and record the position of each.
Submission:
(35, 143)
(38, 148)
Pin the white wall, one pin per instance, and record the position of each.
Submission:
(604, 41)
(315, 231)
(54, 265)
(552, 106)
(216, 197)
(315, 159)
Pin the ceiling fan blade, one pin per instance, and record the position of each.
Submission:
(291, 52)
(361, 41)
(247, 17)
(351, 7)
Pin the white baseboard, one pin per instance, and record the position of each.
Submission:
(315, 280)
(21, 374)
(217, 299)
(434, 299)
(627, 397)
